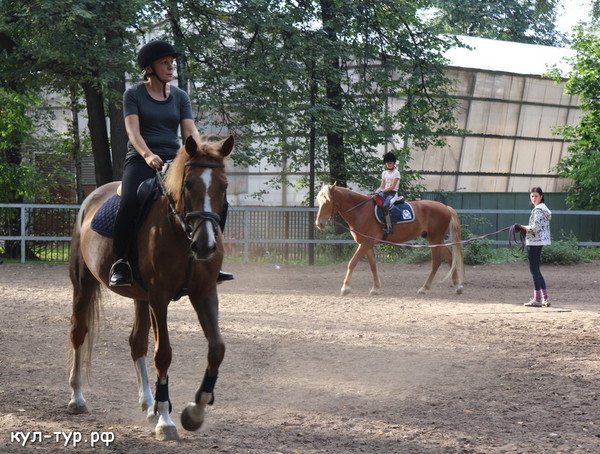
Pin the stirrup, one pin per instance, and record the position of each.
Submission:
(224, 276)
(120, 274)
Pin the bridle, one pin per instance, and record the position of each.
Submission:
(184, 217)
(362, 202)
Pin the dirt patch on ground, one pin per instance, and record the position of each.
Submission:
(307, 371)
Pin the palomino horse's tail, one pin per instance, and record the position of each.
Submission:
(457, 269)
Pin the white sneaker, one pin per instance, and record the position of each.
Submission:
(533, 303)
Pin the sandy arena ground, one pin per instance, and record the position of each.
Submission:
(307, 371)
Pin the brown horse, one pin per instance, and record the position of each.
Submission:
(432, 221)
(179, 248)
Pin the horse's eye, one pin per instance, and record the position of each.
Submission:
(188, 184)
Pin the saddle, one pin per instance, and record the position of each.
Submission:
(400, 211)
(104, 219)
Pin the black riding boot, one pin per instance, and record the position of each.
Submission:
(224, 276)
(388, 223)
(121, 274)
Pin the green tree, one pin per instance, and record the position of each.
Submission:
(323, 83)
(582, 164)
(75, 47)
(360, 75)
(17, 179)
(524, 21)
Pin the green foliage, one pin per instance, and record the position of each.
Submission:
(405, 254)
(32, 154)
(68, 42)
(334, 252)
(275, 71)
(525, 21)
(582, 164)
(17, 179)
(478, 252)
(562, 252)
(589, 254)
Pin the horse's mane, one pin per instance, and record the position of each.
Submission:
(352, 191)
(207, 149)
(326, 191)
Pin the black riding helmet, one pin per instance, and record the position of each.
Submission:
(155, 50)
(389, 157)
(152, 51)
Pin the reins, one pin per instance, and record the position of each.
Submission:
(512, 237)
(170, 201)
(422, 245)
(351, 208)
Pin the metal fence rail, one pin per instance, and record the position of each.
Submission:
(42, 232)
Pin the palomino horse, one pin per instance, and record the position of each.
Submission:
(179, 248)
(432, 221)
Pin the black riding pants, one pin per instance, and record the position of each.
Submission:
(534, 255)
(135, 172)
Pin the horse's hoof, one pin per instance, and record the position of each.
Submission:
(77, 408)
(345, 291)
(166, 433)
(422, 290)
(192, 417)
(151, 417)
(374, 291)
(459, 290)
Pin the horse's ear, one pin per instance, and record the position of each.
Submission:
(333, 186)
(191, 146)
(227, 146)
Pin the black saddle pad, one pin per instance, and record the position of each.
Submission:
(399, 213)
(104, 219)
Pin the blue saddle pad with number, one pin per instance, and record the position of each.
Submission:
(399, 213)
(104, 219)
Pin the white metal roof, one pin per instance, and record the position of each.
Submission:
(506, 56)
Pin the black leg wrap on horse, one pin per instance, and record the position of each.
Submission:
(162, 395)
(207, 386)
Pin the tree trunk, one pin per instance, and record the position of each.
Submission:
(118, 134)
(98, 134)
(333, 91)
(76, 155)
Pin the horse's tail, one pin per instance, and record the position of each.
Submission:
(87, 295)
(458, 266)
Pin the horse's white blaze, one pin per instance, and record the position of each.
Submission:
(207, 179)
